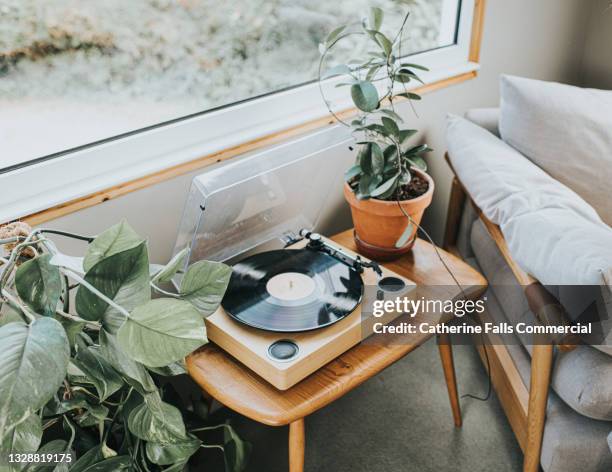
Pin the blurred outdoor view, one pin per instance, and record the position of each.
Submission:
(76, 71)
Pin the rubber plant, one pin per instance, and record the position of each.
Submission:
(387, 166)
(87, 354)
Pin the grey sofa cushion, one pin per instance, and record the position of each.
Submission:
(582, 377)
(565, 130)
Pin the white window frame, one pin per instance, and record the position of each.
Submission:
(96, 168)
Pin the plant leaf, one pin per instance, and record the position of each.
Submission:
(378, 159)
(405, 236)
(236, 451)
(365, 158)
(340, 69)
(166, 454)
(418, 162)
(391, 126)
(39, 284)
(409, 96)
(334, 34)
(413, 66)
(392, 114)
(114, 240)
(136, 373)
(157, 421)
(376, 18)
(97, 369)
(364, 95)
(204, 285)
(33, 363)
(385, 187)
(162, 331)
(113, 464)
(23, 438)
(176, 368)
(352, 172)
(384, 43)
(124, 278)
(406, 133)
(172, 267)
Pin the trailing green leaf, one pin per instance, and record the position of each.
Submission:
(204, 285)
(122, 277)
(39, 284)
(33, 363)
(116, 239)
(172, 267)
(162, 331)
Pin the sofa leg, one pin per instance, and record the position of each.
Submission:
(541, 365)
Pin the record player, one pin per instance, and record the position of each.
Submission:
(295, 298)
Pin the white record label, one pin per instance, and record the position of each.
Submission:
(290, 286)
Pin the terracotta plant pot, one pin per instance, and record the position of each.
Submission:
(379, 224)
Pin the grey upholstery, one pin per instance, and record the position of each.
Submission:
(582, 377)
(572, 442)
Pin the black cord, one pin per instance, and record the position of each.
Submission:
(489, 380)
(484, 346)
(69, 235)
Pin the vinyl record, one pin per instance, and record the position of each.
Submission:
(292, 290)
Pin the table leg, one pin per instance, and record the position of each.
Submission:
(446, 355)
(297, 445)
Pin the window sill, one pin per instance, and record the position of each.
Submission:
(83, 179)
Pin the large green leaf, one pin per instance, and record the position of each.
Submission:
(33, 363)
(175, 264)
(236, 451)
(162, 331)
(365, 96)
(56, 446)
(136, 373)
(124, 278)
(204, 285)
(24, 438)
(166, 454)
(98, 370)
(157, 421)
(116, 239)
(87, 459)
(39, 284)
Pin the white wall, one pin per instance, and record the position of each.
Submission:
(542, 39)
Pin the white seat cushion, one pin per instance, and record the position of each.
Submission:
(565, 130)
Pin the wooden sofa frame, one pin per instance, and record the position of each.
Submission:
(524, 406)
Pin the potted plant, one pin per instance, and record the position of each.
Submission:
(388, 188)
(88, 356)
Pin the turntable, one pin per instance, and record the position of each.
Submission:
(295, 299)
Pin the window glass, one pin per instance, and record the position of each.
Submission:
(73, 72)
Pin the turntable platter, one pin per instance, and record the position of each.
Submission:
(292, 290)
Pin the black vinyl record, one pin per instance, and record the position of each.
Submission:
(292, 290)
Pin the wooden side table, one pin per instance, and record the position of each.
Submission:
(238, 388)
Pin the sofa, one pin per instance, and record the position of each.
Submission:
(539, 168)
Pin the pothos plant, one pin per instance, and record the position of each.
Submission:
(86, 352)
(385, 160)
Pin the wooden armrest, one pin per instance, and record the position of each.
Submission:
(546, 308)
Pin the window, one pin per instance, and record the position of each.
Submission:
(113, 90)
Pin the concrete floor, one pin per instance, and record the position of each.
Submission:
(398, 421)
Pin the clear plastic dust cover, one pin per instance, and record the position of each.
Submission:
(237, 206)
